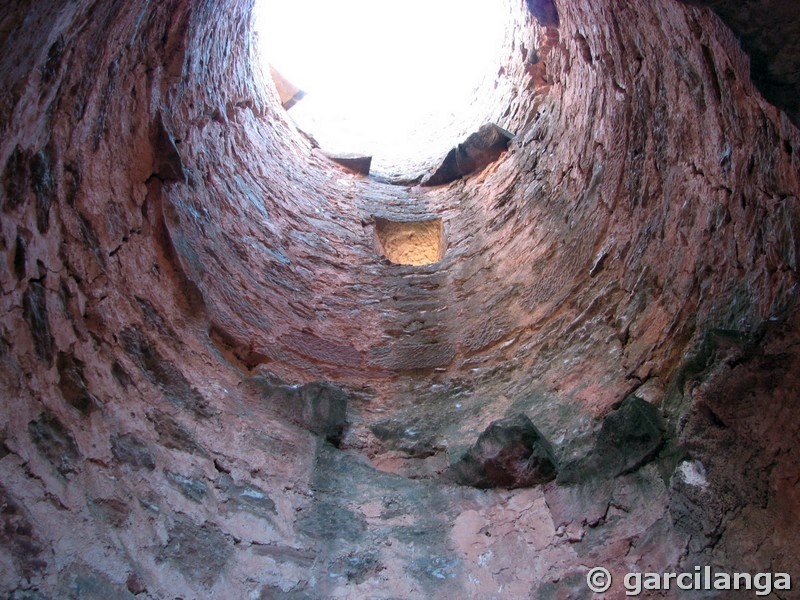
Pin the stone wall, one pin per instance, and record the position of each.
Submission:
(213, 384)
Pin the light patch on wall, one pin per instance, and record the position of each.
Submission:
(410, 242)
(389, 79)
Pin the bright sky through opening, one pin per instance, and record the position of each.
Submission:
(383, 78)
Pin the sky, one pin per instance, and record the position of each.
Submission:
(376, 71)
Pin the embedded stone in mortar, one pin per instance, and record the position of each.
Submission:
(410, 242)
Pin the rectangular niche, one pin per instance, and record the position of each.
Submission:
(410, 242)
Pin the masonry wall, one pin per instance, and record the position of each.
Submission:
(193, 306)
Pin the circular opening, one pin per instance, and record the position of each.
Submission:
(398, 81)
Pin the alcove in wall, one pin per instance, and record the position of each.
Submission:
(410, 242)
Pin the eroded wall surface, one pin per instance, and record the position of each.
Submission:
(213, 384)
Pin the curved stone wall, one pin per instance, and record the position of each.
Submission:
(213, 383)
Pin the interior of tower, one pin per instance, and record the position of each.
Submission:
(237, 363)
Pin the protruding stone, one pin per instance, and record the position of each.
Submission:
(510, 453)
(357, 163)
(473, 154)
(629, 438)
(289, 93)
